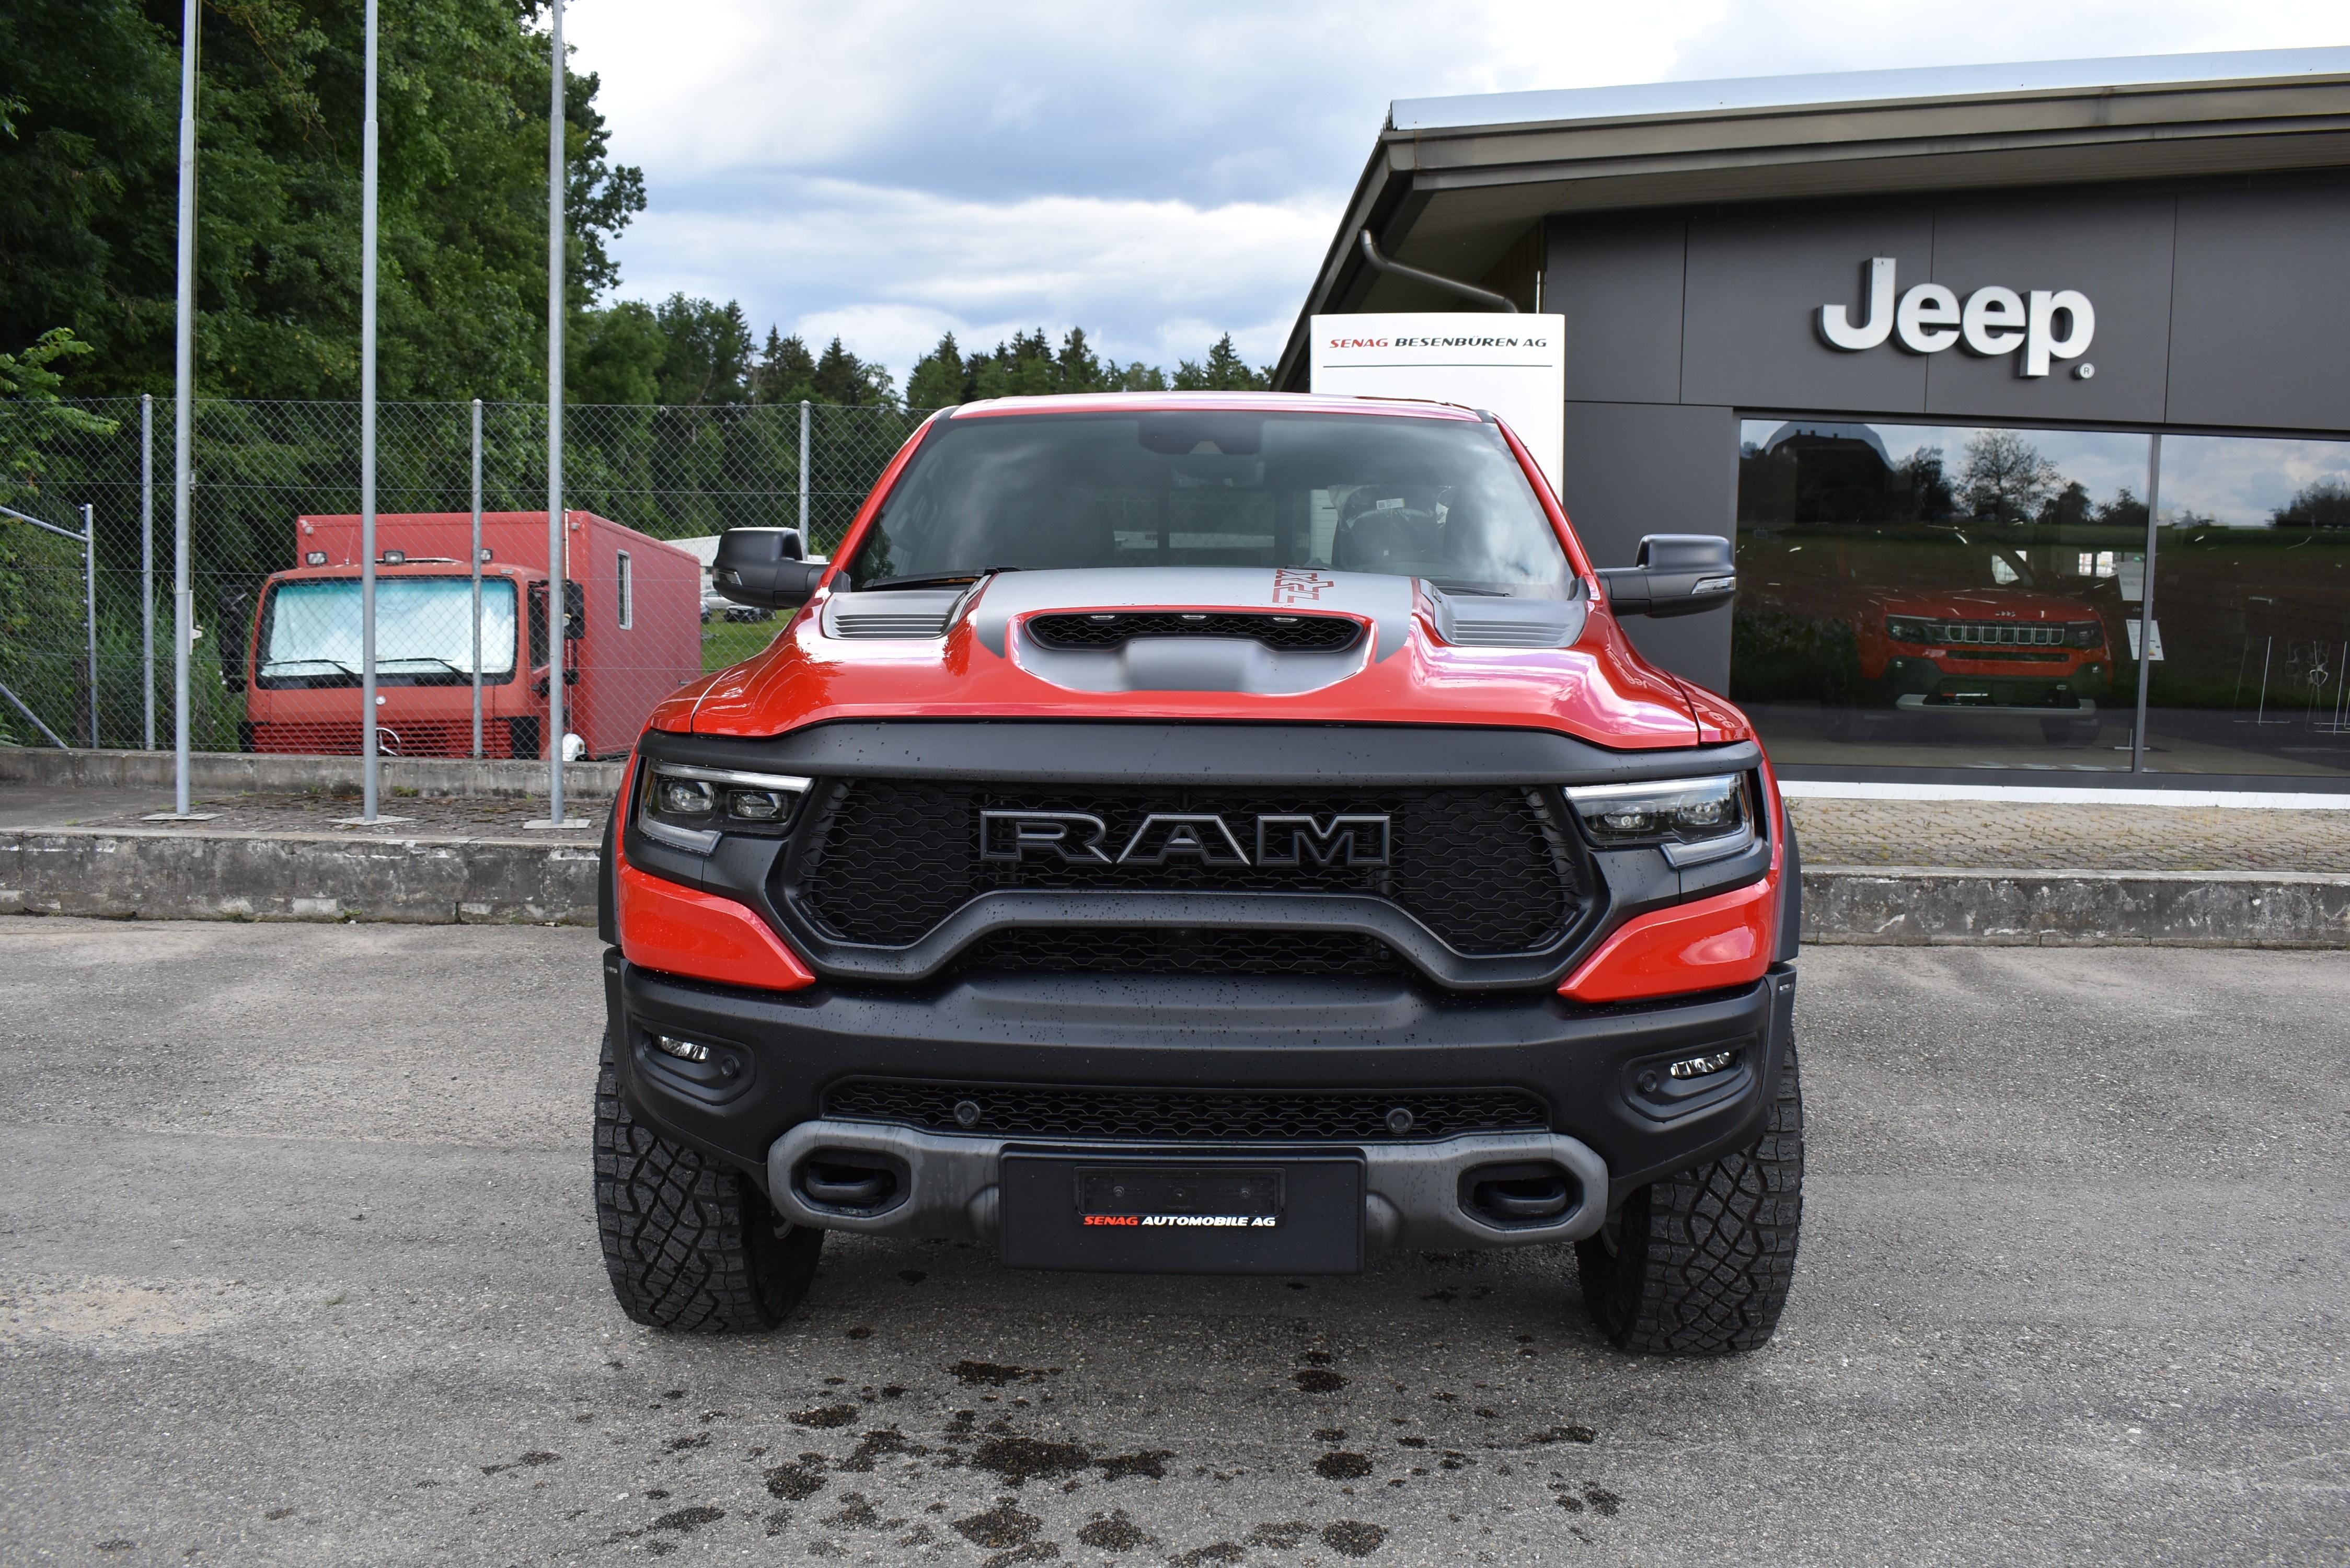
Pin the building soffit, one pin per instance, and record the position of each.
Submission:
(1451, 200)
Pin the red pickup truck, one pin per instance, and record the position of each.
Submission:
(1207, 834)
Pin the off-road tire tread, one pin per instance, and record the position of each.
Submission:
(689, 1241)
(1704, 1259)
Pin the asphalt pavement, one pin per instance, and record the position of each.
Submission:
(297, 1264)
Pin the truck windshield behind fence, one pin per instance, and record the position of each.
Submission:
(1440, 498)
(424, 631)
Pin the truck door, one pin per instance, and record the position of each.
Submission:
(528, 732)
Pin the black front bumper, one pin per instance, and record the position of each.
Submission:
(1587, 1063)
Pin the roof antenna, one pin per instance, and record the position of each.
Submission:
(1371, 254)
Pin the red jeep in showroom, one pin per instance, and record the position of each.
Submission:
(1205, 833)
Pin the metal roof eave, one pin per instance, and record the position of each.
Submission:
(1849, 147)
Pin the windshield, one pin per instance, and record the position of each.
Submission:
(1440, 498)
(423, 627)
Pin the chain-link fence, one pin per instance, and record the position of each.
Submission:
(462, 628)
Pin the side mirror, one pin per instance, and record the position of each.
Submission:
(1674, 574)
(761, 567)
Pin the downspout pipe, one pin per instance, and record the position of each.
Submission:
(1486, 295)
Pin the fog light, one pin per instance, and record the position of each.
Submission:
(694, 1050)
(1702, 1066)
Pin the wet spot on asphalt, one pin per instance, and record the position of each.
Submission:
(1022, 1459)
(859, 1331)
(1284, 1536)
(1151, 1462)
(695, 1440)
(1342, 1466)
(793, 1482)
(1113, 1533)
(1352, 1537)
(1329, 1434)
(826, 1416)
(1215, 1551)
(1315, 1380)
(1001, 1526)
(995, 1375)
(874, 1445)
(531, 1460)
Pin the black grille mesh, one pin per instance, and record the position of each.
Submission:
(1013, 1110)
(1095, 950)
(1488, 870)
(1305, 633)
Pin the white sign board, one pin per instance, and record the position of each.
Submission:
(1513, 366)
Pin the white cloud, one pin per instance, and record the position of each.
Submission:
(1163, 170)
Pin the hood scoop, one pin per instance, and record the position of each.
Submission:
(1475, 620)
(1115, 629)
(901, 614)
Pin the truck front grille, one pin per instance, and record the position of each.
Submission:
(1490, 871)
(1354, 1115)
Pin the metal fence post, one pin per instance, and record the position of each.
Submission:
(184, 376)
(557, 573)
(368, 766)
(2146, 602)
(477, 578)
(89, 607)
(147, 568)
(805, 547)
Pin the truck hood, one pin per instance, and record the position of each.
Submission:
(972, 653)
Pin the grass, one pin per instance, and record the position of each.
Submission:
(726, 642)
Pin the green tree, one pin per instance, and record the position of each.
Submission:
(88, 194)
(2323, 504)
(708, 358)
(843, 378)
(939, 378)
(785, 372)
(31, 414)
(1224, 371)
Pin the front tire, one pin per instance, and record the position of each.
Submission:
(1700, 1264)
(689, 1241)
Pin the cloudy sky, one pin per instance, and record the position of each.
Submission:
(1158, 172)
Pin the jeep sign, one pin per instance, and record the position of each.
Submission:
(1994, 320)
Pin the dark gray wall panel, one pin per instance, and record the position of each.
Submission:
(1617, 280)
(2261, 329)
(2114, 249)
(1755, 283)
(1645, 468)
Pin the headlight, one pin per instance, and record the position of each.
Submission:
(689, 808)
(1691, 820)
(2085, 634)
(1909, 629)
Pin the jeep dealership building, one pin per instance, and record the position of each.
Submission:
(1926, 343)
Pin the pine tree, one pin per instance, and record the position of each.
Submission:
(785, 372)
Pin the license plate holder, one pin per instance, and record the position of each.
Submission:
(1175, 1214)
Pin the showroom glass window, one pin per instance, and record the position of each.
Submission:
(1935, 596)
(2251, 606)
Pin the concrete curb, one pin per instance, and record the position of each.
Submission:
(217, 772)
(161, 875)
(1909, 906)
(165, 874)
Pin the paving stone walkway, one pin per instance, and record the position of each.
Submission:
(2024, 836)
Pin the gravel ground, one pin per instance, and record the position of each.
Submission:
(298, 1265)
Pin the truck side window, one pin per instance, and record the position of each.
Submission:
(622, 584)
(537, 624)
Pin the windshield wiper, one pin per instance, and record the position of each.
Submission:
(933, 580)
(425, 659)
(279, 663)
